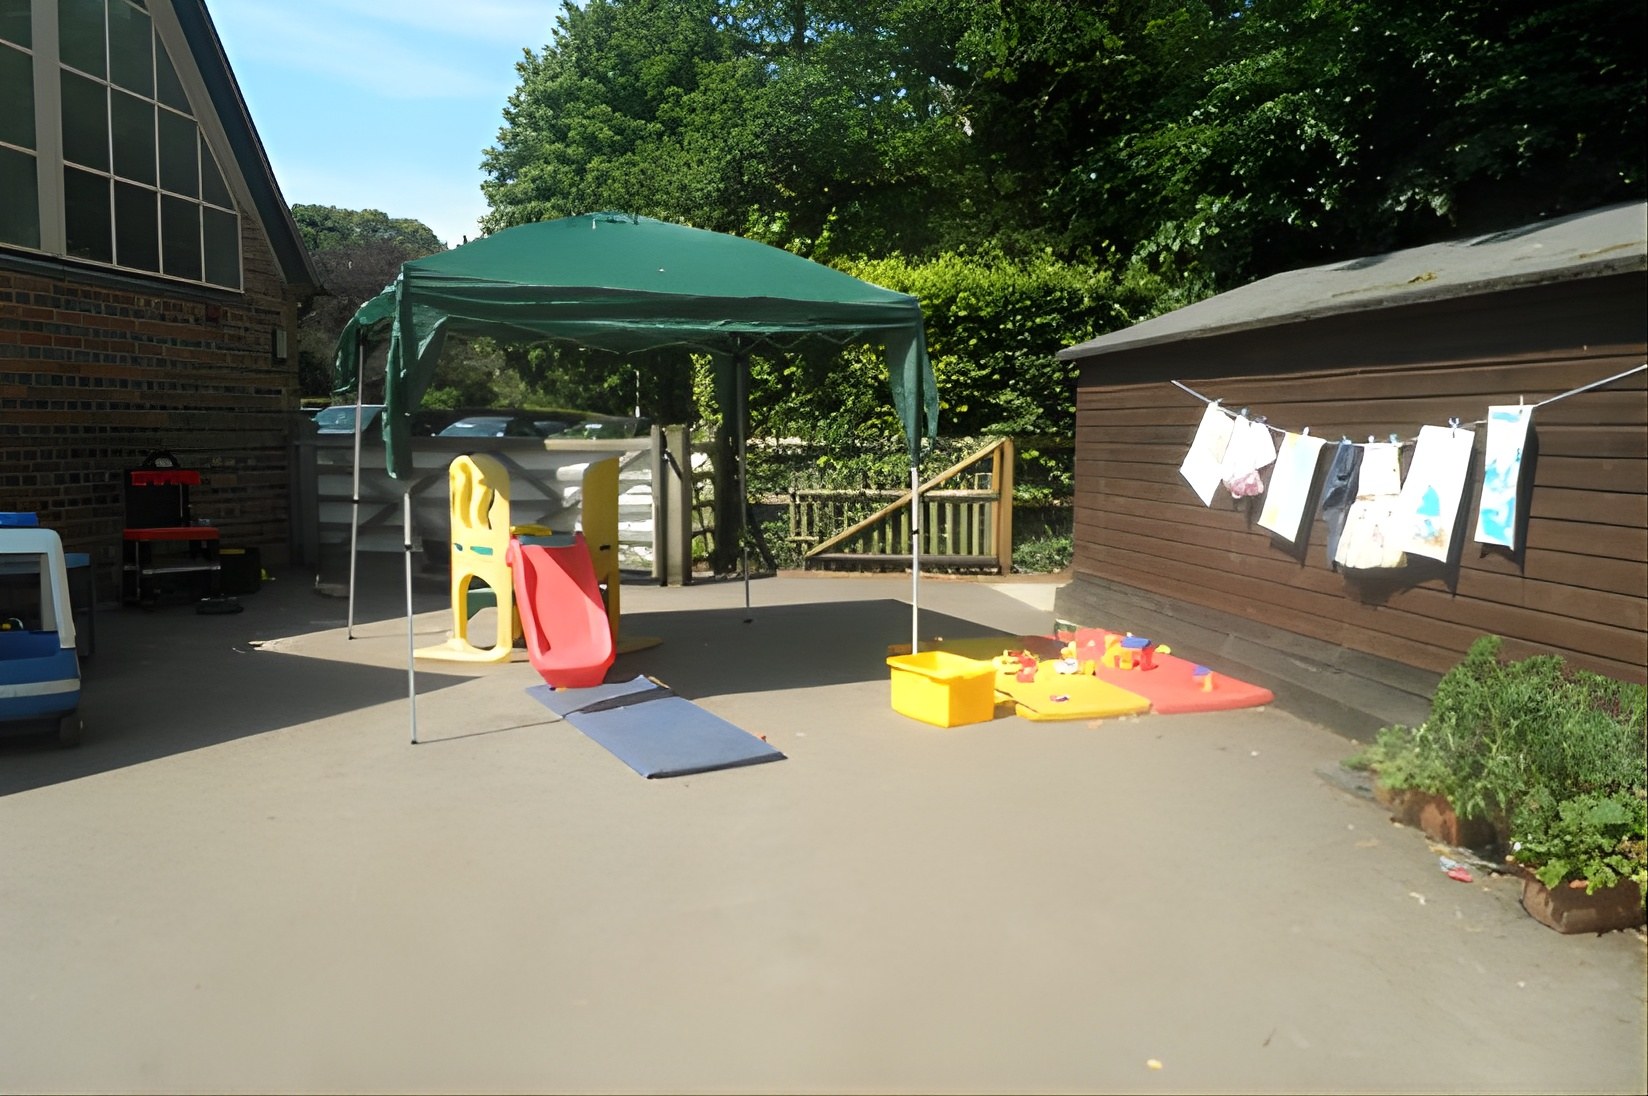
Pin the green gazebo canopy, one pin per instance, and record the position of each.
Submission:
(616, 282)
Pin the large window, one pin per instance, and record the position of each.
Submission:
(137, 186)
(19, 192)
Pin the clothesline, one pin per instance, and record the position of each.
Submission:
(1451, 422)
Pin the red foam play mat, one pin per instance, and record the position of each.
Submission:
(1172, 685)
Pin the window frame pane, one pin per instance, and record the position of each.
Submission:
(134, 145)
(131, 48)
(20, 216)
(16, 24)
(214, 188)
(180, 238)
(179, 169)
(85, 109)
(75, 46)
(88, 233)
(136, 227)
(168, 88)
(17, 89)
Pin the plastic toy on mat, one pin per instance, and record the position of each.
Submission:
(39, 667)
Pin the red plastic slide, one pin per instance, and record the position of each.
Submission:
(568, 637)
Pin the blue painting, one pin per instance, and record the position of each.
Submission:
(1496, 518)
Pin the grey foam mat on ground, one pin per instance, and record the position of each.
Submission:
(653, 731)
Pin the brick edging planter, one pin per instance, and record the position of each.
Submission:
(1435, 816)
(1569, 910)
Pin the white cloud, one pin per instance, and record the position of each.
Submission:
(378, 55)
(524, 24)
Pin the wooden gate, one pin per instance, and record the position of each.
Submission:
(964, 527)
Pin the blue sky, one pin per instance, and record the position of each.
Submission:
(382, 104)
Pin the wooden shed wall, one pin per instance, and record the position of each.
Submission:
(1579, 585)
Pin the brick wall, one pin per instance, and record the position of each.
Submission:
(97, 371)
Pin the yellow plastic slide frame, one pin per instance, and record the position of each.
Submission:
(479, 499)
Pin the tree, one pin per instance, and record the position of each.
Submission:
(1114, 158)
(1218, 143)
(357, 253)
(823, 127)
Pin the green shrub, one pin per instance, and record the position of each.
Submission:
(1592, 836)
(1043, 555)
(1556, 756)
(1404, 759)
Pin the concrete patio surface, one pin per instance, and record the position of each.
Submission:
(247, 880)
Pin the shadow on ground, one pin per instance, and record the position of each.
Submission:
(711, 652)
(170, 680)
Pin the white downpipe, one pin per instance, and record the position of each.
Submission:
(411, 656)
(742, 364)
(354, 513)
(915, 558)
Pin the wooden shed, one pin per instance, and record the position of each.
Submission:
(1364, 349)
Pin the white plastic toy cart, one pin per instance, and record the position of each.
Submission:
(39, 666)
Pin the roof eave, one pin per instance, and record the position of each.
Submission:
(1118, 341)
(296, 265)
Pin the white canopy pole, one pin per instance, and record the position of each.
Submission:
(411, 656)
(354, 513)
(915, 524)
(915, 558)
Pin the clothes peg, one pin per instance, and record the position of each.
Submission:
(1453, 425)
(1396, 441)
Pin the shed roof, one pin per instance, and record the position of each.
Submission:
(1600, 242)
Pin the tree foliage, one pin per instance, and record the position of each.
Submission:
(1040, 171)
(357, 253)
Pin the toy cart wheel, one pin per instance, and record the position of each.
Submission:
(68, 730)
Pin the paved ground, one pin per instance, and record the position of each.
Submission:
(248, 880)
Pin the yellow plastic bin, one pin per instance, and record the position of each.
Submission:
(943, 688)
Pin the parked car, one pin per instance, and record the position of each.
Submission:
(626, 427)
(518, 425)
(340, 418)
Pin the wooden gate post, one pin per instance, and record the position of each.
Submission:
(1002, 478)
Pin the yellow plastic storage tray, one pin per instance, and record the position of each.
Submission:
(942, 688)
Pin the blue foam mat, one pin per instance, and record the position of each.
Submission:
(652, 730)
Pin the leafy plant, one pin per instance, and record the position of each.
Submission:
(1557, 756)
(1593, 837)
(1404, 758)
(1042, 555)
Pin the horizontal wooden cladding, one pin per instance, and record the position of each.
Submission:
(1606, 523)
(1378, 415)
(1180, 521)
(1166, 444)
(1430, 636)
(1618, 609)
(1577, 586)
(1531, 378)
